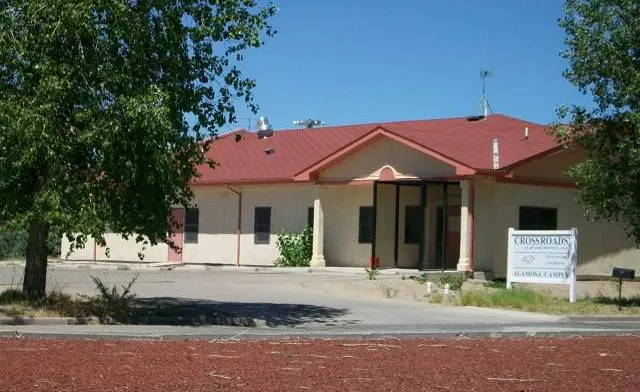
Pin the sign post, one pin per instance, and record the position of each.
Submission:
(622, 273)
(543, 256)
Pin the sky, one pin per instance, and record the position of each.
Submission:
(362, 61)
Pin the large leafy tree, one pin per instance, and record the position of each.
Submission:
(93, 99)
(603, 50)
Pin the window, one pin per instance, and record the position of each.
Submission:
(262, 225)
(365, 225)
(191, 225)
(310, 217)
(538, 218)
(412, 224)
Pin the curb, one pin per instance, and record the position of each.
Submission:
(601, 319)
(218, 320)
(316, 336)
(21, 320)
(345, 271)
(157, 266)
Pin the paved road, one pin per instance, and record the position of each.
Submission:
(278, 299)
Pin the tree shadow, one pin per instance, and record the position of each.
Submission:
(196, 312)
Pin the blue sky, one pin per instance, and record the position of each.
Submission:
(360, 61)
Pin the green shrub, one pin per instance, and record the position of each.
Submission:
(455, 281)
(422, 278)
(295, 248)
(110, 304)
(12, 296)
(372, 273)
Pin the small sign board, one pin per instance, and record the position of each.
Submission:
(543, 256)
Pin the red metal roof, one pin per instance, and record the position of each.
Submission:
(460, 140)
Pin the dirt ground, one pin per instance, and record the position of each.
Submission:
(383, 287)
(394, 287)
(568, 364)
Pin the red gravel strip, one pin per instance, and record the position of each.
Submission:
(570, 364)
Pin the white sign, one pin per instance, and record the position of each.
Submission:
(544, 256)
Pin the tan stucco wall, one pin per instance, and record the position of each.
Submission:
(370, 160)
(119, 249)
(217, 238)
(341, 205)
(127, 250)
(85, 253)
(289, 205)
(600, 245)
(552, 167)
(484, 226)
(218, 209)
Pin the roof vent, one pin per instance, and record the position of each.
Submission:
(269, 151)
(308, 123)
(475, 118)
(496, 153)
(264, 128)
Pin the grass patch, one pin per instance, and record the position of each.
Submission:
(13, 303)
(436, 298)
(110, 305)
(537, 301)
(497, 283)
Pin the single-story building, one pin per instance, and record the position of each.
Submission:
(426, 194)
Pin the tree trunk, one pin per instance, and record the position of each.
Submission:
(35, 272)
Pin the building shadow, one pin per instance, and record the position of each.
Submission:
(196, 312)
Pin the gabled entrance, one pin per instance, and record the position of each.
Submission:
(417, 224)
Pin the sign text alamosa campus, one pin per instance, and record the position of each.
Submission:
(545, 256)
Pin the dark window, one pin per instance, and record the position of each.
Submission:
(310, 217)
(365, 225)
(262, 225)
(538, 218)
(412, 222)
(191, 225)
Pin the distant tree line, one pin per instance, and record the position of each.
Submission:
(13, 244)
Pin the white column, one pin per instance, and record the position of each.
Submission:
(317, 256)
(464, 263)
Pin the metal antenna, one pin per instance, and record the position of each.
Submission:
(308, 123)
(484, 74)
(249, 120)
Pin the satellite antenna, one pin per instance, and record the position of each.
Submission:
(308, 123)
(484, 101)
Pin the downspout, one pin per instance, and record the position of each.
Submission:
(239, 224)
(471, 213)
